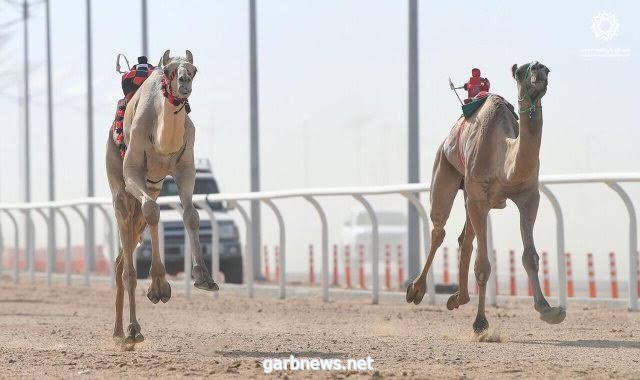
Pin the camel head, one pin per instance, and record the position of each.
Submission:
(532, 79)
(180, 72)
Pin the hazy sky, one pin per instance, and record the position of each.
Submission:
(333, 100)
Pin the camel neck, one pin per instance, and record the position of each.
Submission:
(528, 145)
(171, 120)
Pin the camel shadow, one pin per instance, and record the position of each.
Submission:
(33, 315)
(21, 301)
(585, 343)
(272, 354)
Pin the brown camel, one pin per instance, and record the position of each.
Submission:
(492, 157)
(159, 139)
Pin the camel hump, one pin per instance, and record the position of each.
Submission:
(502, 104)
(498, 113)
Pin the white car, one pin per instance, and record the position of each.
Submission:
(392, 230)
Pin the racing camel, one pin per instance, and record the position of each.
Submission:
(156, 140)
(492, 157)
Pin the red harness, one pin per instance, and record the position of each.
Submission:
(131, 88)
(167, 92)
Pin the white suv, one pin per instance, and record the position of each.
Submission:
(174, 232)
(392, 230)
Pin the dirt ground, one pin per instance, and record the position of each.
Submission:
(66, 332)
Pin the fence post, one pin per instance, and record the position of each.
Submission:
(282, 245)
(445, 265)
(30, 251)
(614, 275)
(387, 266)
(545, 274)
(592, 280)
(86, 243)
(1, 252)
(113, 247)
(562, 270)
(16, 247)
(324, 246)
(335, 265)
(267, 275)
(361, 279)
(50, 247)
(400, 266)
(633, 244)
(347, 266)
(311, 270)
(375, 248)
(513, 286)
(569, 275)
(276, 256)
(248, 251)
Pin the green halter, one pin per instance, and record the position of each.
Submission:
(532, 101)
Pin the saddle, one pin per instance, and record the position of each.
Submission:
(477, 101)
(468, 110)
(131, 82)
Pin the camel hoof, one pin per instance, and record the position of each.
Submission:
(414, 293)
(206, 283)
(455, 301)
(411, 293)
(134, 335)
(165, 291)
(452, 302)
(134, 338)
(153, 296)
(203, 279)
(553, 315)
(159, 290)
(480, 325)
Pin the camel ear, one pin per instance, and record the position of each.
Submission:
(189, 57)
(518, 72)
(165, 58)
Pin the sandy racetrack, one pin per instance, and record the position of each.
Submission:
(66, 332)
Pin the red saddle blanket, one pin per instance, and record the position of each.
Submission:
(131, 82)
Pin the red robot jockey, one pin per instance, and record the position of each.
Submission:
(476, 85)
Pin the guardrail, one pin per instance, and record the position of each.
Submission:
(361, 194)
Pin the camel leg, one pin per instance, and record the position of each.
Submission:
(184, 176)
(159, 290)
(477, 210)
(444, 187)
(465, 241)
(135, 183)
(130, 282)
(114, 175)
(118, 331)
(129, 227)
(528, 206)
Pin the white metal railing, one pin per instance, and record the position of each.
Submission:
(361, 194)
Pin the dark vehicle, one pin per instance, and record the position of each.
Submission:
(174, 232)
